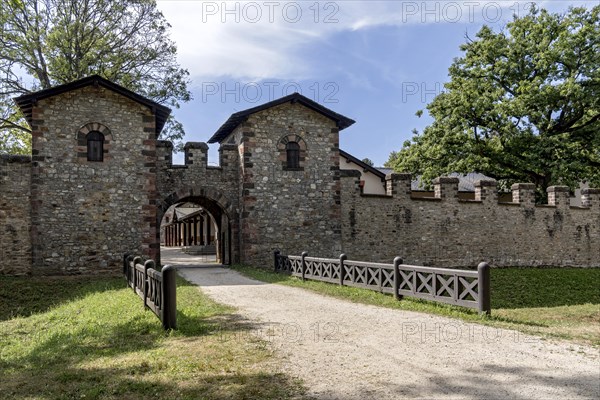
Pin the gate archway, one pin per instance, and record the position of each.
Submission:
(223, 219)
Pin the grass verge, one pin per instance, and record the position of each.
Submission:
(559, 303)
(65, 338)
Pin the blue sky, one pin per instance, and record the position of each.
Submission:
(377, 62)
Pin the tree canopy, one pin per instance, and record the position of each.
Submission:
(522, 105)
(44, 43)
(368, 161)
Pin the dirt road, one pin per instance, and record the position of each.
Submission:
(351, 351)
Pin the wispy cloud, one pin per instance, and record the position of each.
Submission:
(254, 40)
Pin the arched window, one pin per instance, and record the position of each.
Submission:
(95, 146)
(292, 153)
(292, 150)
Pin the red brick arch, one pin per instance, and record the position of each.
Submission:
(82, 140)
(215, 203)
(281, 147)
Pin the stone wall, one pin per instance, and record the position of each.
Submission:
(63, 214)
(213, 188)
(267, 205)
(15, 215)
(447, 232)
(85, 214)
(291, 210)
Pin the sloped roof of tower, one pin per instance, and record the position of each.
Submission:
(27, 101)
(237, 118)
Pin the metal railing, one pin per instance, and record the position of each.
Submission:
(451, 286)
(157, 289)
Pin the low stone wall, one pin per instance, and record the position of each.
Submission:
(447, 232)
(15, 215)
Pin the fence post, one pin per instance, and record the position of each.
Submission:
(169, 297)
(125, 265)
(303, 264)
(276, 259)
(130, 274)
(148, 264)
(397, 263)
(483, 287)
(343, 258)
(136, 260)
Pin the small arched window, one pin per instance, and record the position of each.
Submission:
(95, 146)
(292, 150)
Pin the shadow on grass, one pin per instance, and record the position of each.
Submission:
(544, 287)
(23, 296)
(80, 350)
(87, 343)
(141, 383)
(189, 326)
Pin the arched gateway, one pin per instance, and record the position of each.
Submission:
(196, 228)
(99, 181)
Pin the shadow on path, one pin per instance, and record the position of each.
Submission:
(213, 273)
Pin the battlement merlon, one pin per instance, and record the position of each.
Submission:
(164, 152)
(196, 154)
(558, 196)
(355, 175)
(523, 194)
(446, 188)
(486, 191)
(398, 185)
(228, 155)
(590, 198)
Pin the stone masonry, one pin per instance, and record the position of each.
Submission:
(447, 232)
(85, 215)
(61, 213)
(213, 188)
(283, 208)
(15, 215)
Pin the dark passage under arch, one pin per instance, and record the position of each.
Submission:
(207, 226)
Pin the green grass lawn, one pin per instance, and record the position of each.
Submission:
(66, 338)
(89, 338)
(551, 302)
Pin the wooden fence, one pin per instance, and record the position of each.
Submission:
(156, 288)
(452, 286)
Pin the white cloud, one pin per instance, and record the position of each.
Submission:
(216, 41)
(253, 40)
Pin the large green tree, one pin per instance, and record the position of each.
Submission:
(49, 42)
(522, 104)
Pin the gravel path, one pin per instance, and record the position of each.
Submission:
(351, 351)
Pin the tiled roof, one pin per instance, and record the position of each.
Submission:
(27, 101)
(466, 182)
